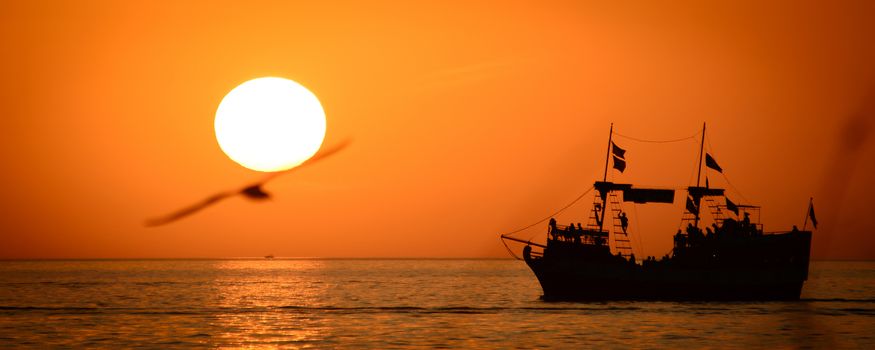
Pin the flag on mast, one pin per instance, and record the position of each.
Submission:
(731, 206)
(619, 157)
(619, 152)
(711, 163)
(811, 214)
(619, 164)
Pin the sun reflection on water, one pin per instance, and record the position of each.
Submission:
(257, 299)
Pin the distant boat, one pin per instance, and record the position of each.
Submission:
(269, 256)
(733, 259)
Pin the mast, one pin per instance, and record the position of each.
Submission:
(604, 196)
(608, 155)
(701, 154)
(699, 175)
(808, 213)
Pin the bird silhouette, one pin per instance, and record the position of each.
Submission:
(253, 191)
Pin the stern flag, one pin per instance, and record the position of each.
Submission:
(691, 207)
(619, 152)
(811, 214)
(731, 206)
(711, 163)
(619, 164)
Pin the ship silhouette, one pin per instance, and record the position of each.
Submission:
(732, 259)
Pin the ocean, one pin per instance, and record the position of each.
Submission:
(368, 303)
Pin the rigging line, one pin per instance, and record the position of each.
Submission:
(658, 141)
(694, 167)
(734, 188)
(532, 237)
(551, 215)
(508, 248)
(711, 149)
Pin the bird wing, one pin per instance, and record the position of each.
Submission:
(322, 154)
(247, 190)
(188, 210)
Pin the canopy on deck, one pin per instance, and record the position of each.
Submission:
(637, 195)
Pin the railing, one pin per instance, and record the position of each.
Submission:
(573, 234)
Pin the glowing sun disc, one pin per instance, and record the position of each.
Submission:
(270, 124)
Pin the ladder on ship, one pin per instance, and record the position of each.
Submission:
(622, 240)
(715, 211)
(688, 218)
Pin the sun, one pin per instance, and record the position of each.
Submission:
(270, 124)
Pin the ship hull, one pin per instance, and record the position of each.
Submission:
(773, 268)
(591, 282)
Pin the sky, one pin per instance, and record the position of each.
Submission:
(468, 118)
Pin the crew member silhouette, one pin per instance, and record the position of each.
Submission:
(624, 221)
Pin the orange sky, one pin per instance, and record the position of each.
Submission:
(469, 119)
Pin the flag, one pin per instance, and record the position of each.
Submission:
(711, 163)
(619, 164)
(619, 152)
(731, 206)
(691, 207)
(811, 214)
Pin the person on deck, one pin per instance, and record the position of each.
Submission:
(578, 234)
(746, 228)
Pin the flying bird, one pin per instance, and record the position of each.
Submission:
(253, 191)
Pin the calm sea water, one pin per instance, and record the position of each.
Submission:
(396, 303)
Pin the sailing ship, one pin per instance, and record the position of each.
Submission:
(732, 259)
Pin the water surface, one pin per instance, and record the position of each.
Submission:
(396, 303)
